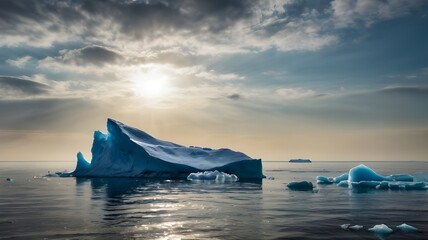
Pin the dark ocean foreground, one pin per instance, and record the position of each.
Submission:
(34, 207)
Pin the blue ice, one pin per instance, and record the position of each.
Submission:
(129, 152)
(407, 228)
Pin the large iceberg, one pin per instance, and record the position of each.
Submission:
(129, 152)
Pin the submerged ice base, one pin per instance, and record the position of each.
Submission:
(129, 152)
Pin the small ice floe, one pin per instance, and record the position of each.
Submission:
(394, 186)
(324, 180)
(64, 173)
(356, 227)
(10, 179)
(340, 178)
(381, 230)
(383, 185)
(407, 228)
(213, 175)
(330, 180)
(401, 177)
(345, 226)
(300, 186)
(414, 186)
(349, 227)
(343, 183)
(365, 184)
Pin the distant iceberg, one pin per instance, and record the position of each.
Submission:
(299, 160)
(129, 152)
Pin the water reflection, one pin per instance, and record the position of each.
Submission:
(166, 209)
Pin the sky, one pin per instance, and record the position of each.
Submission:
(275, 79)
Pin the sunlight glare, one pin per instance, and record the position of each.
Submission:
(152, 84)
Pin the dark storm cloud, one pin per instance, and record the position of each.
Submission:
(134, 18)
(95, 55)
(23, 86)
(234, 96)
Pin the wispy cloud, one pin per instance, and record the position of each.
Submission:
(19, 87)
(19, 62)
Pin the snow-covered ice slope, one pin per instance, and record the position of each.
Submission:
(129, 152)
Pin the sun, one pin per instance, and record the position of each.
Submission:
(152, 84)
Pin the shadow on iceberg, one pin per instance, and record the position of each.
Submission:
(129, 152)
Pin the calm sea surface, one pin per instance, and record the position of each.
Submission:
(69, 208)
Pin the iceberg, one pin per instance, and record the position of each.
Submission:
(213, 175)
(407, 228)
(363, 178)
(364, 173)
(129, 152)
(381, 230)
(300, 186)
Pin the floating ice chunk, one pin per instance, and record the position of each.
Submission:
(394, 186)
(349, 227)
(381, 230)
(345, 226)
(324, 180)
(383, 185)
(65, 173)
(300, 186)
(340, 178)
(343, 183)
(401, 177)
(414, 186)
(364, 173)
(365, 184)
(356, 227)
(213, 175)
(407, 228)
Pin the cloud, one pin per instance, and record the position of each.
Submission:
(92, 55)
(14, 85)
(19, 62)
(234, 96)
(354, 13)
(213, 75)
(295, 93)
(191, 27)
(406, 90)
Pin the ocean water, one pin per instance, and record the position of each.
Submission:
(33, 207)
